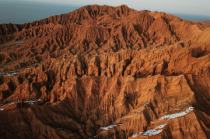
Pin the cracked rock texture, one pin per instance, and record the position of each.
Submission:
(106, 73)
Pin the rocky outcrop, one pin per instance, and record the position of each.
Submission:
(105, 72)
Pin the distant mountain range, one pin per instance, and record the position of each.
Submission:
(102, 72)
(193, 17)
(207, 22)
(23, 12)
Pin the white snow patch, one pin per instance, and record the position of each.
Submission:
(32, 101)
(176, 115)
(151, 132)
(11, 103)
(10, 73)
(108, 127)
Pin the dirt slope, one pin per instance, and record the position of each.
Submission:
(105, 72)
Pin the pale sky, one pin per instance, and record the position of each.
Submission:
(195, 7)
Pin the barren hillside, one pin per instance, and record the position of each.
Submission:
(105, 72)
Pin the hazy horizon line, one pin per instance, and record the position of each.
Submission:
(55, 9)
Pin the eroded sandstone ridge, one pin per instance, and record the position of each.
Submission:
(106, 73)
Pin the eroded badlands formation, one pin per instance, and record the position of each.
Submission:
(106, 73)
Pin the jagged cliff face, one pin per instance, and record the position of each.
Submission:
(105, 72)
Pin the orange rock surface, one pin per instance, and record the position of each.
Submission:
(106, 73)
